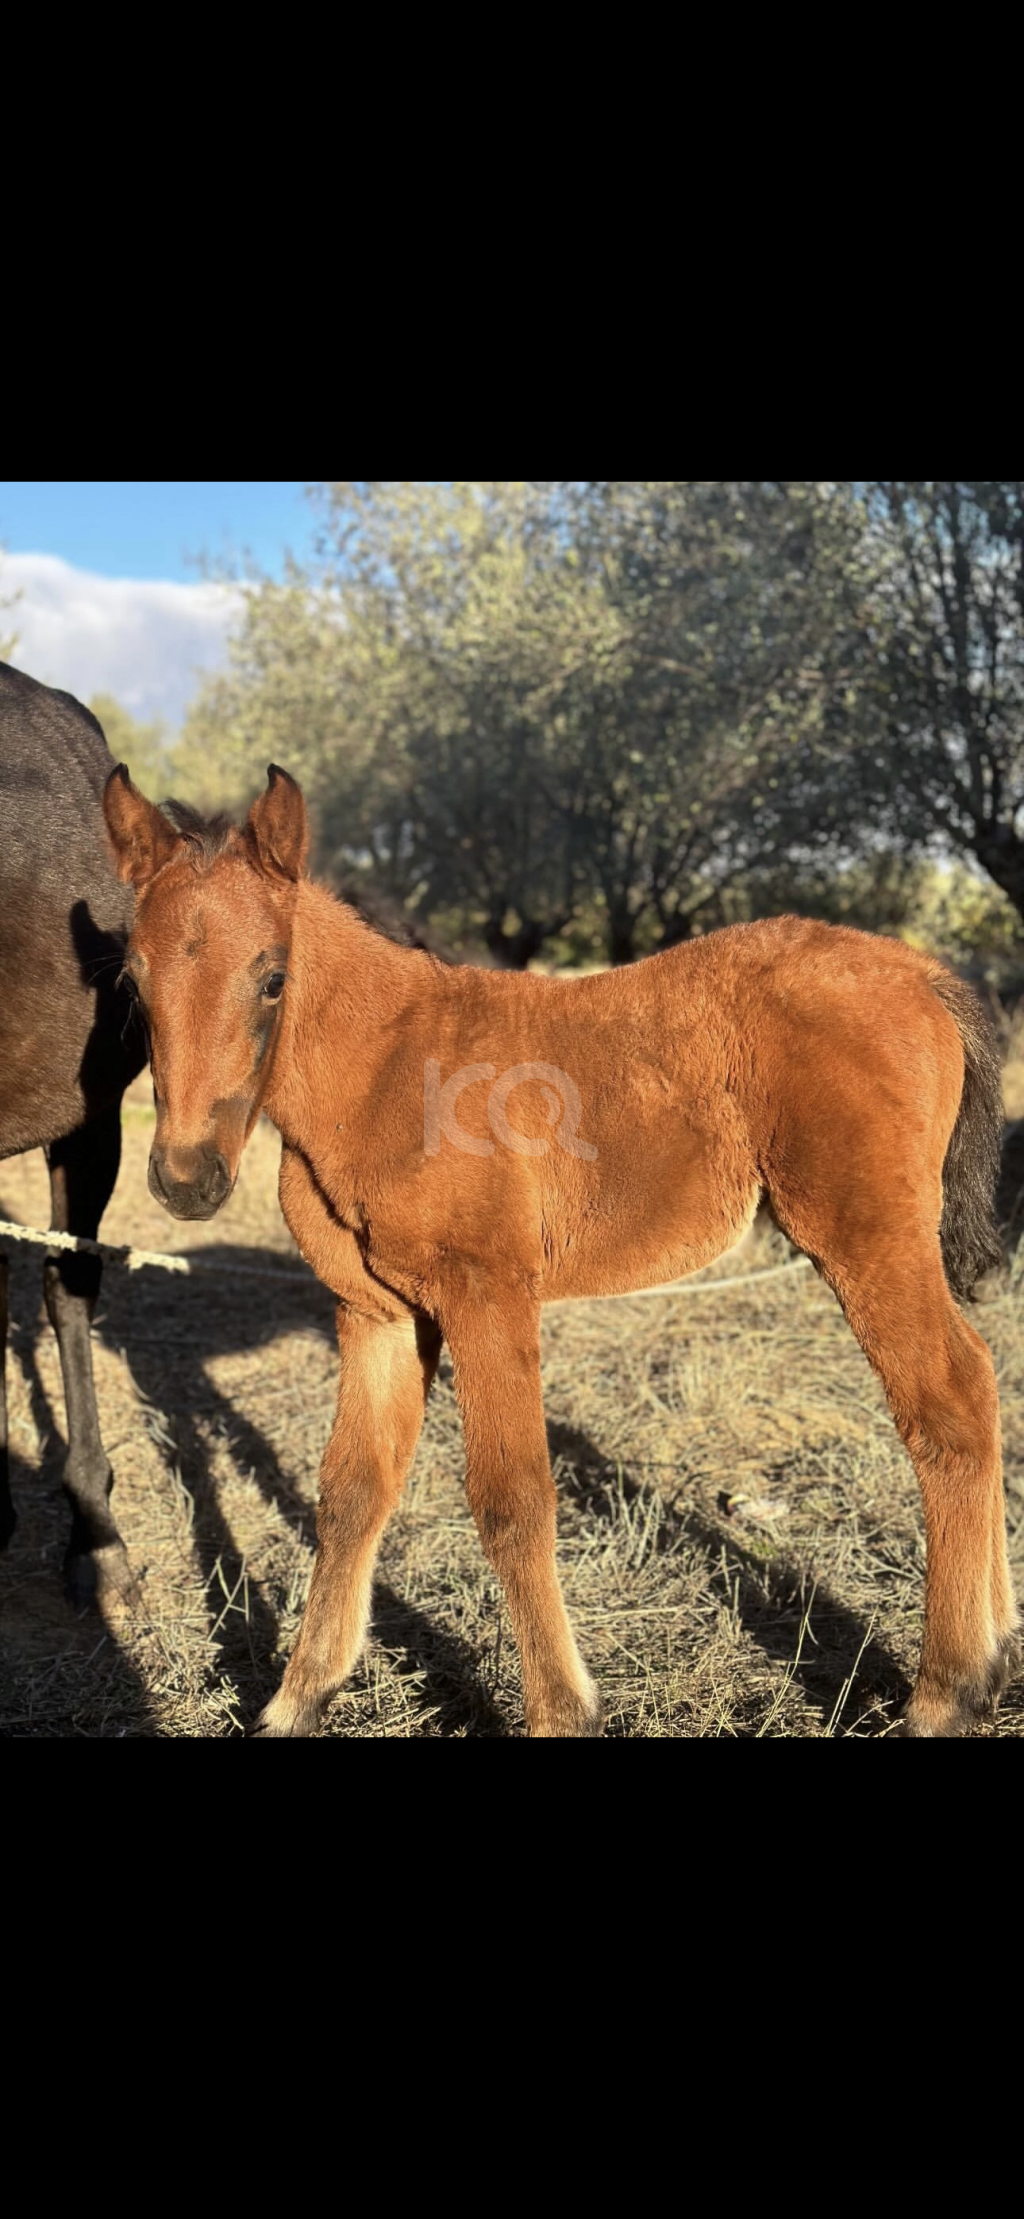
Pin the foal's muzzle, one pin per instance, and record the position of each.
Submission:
(190, 1182)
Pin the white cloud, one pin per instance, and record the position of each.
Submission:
(144, 640)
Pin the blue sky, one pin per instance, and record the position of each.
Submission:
(132, 528)
(109, 595)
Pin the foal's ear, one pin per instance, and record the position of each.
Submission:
(143, 840)
(278, 826)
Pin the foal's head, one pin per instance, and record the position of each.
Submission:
(208, 962)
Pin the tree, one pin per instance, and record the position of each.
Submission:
(731, 603)
(144, 747)
(410, 676)
(517, 706)
(931, 753)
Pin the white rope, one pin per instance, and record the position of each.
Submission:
(689, 1286)
(135, 1259)
(138, 1259)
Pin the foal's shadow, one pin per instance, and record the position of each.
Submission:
(770, 1597)
(449, 1670)
(170, 1335)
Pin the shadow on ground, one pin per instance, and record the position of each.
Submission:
(64, 1672)
(447, 1669)
(168, 1330)
(771, 1597)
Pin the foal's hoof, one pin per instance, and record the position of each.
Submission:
(950, 1712)
(104, 1575)
(575, 1718)
(284, 1719)
(911, 1728)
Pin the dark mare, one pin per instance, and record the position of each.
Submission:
(70, 1042)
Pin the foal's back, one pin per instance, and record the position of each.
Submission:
(64, 918)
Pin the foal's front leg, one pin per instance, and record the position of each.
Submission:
(386, 1372)
(495, 1347)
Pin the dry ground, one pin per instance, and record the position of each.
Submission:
(739, 1535)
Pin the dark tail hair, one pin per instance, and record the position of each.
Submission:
(970, 1243)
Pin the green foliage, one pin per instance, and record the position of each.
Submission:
(951, 909)
(144, 747)
(534, 704)
(593, 718)
(928, 745)
(958, 913)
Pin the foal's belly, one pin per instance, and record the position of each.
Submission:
(659, 1205)
(600, 1269)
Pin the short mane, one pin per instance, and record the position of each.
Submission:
(207, 837)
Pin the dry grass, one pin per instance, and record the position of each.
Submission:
(740, 1533)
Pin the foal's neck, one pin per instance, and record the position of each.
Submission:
(348, 988)
(342, 967)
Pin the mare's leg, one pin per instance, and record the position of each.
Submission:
(8, 1518)
(387, 1367)
(495, 1346)
(83, 1168)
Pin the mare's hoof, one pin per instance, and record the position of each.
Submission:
(104, 1575)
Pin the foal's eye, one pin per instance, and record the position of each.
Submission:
(129, 985)
(273, 987)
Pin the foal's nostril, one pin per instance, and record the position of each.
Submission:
(199, 1194)
(216, 1182)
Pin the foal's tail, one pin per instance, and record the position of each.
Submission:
(970, 1243)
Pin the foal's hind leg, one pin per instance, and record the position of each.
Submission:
(387, 1367)
(948, 1414)
(940, 1384)
(8, 1519)
(1004, 1610)
(83, 1168)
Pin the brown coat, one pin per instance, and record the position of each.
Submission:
(461, 1146)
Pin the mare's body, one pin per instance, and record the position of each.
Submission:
(69, 1046)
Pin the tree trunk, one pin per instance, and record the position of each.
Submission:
(621, 939)
(514, 950)
(1001, 854)
(675, 930)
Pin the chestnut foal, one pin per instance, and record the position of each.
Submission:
(849, 1080)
